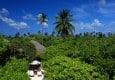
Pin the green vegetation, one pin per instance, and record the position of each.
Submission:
(88, 56)
(14, 70)
(64, 68)
(83, 57)
(64, 27)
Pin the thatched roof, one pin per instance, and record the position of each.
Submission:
(39, 48)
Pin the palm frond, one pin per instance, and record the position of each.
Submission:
(63, 23)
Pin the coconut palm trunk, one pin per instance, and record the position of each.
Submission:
(42, 36)
(42, 18)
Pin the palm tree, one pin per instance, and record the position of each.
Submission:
(64, 24)
(42, 19)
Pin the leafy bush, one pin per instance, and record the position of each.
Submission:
(69, 58)
(64, 68)
(4, 43)
(14, 70)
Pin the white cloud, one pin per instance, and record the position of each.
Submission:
(29, 17)
(112, 24)
(4, 12)
(45, 25)
(85, 10)
(107, 9)
(84, 25)
(111, 27)
(11, 22)
(97, 26)
(102, 3)
(95, 23)
(80, 12)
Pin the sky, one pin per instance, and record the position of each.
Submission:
(90, 15)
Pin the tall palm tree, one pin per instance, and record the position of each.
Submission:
(64, 24)
(42, 19)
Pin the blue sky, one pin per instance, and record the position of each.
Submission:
(90, 15)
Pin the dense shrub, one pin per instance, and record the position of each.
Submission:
(68, 58)
(14, 70)
(4, 43)
(64, 68)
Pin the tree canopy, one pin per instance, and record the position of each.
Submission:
(64, 24)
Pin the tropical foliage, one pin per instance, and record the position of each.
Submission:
(64, 68)
(42, 19)
(85, 56)
(64, 24)
(14, 70)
